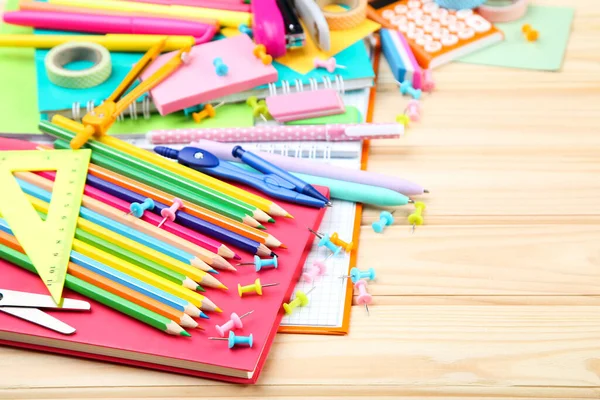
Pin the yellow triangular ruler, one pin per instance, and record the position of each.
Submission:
(47, 243)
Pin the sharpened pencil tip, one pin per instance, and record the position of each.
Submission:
(261, 227)
(236, 257)
(203, 315)
(200, 328)
(288, 215)
(214, 271)
(282, 246)
(411, 201)
(271, 220)
(221, 286)
(273, 254)
(218, 309)
(200, 289)
(184, 333)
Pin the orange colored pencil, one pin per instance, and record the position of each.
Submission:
(115, 288)
(190, 208)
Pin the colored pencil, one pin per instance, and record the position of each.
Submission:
(101, 296)
(131, 221)
(266, 205)
(119, 228)
(115, 288)
(210, 198)
(188, 208)
(133, 277)
(108, 193)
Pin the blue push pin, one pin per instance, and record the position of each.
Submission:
(326, 241)
(234, 341)
(385, 219)
(245, 29)
(220, 67)
(259, 264)
(137, 209)
(406, 87)
(356, 274)
(193, 109)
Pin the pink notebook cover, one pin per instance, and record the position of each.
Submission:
(197, 82)
(107, 329)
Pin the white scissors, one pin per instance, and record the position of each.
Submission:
(25, 305)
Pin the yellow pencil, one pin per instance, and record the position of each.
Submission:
(261, 203)
(137, 248)
(210, 258)
(227, 18)
(112, 42)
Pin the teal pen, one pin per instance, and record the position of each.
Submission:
(354, 192)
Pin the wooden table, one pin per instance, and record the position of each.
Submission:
(498, 296)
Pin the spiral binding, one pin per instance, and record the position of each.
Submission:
(326, 83)
(312, 150)
(145, 108)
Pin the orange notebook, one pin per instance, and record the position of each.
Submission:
(107, 335)
(436, 35)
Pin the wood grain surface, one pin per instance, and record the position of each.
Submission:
(496, 297)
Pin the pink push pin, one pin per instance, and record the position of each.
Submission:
(428, 84)
(330, 65)
(413, 110)
(233, 323)
(317, 269)
(169, 213)
(363, 297)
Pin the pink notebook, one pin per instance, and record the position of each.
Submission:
(107, 335)
(197, 82)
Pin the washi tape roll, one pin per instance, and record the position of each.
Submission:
(66, 53)
(338, 21)
(503, 10)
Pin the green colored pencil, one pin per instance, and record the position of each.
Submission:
(210, 197)
(100, 295)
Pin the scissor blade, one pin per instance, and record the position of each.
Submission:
(24, 299)
(39, 317)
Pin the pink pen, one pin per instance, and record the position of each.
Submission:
(292, 133)
(231, 5)
(315, 168)
(111, 24)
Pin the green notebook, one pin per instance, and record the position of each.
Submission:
(18, 94)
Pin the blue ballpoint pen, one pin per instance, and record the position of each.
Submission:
(206, 162)
(266, 167)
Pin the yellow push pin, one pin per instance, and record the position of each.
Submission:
(403, 119)
(301, 300)
(208, 112)
(530, 34)
(416, 218)
(256, 287)
(335, 239)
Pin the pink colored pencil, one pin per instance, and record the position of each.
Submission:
(169, 226)
(234, 5)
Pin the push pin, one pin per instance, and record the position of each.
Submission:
(363, 296)
(300, 300)
(234, 341)
(530, 34)
(220, 68)
(406, 87)
(169, 213)
(256, 287)
(416, 218)
(356, 274)
(428, 84)
(260, 51)
(413, 110)
(325, 241)
(193, 109)
(335, 239)
(234, 322)
(258, 108)
(267, 114)
(403, 119)
(317, 268)
(245, 29)
(330, 65)
(208, 112)
(259, 264)
(385, 218)
(137, 209)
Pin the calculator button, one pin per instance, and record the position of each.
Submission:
(398, 19)
(414, 13)
(410, 34)
(419, 21)
(453, 28)
(402, 27)
(466, 33)
(439, 13)
(436, 34)
(388, 14)
(427, 19)
(461, 25)
(478, 23)
(411, 26)
(462, 14)
(430, 7)
(436, 25)
(414, 4)
(401, 9)
(428, 28)
(449, 40)
(432, 47)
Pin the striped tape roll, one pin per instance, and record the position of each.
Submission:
(63, 54)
